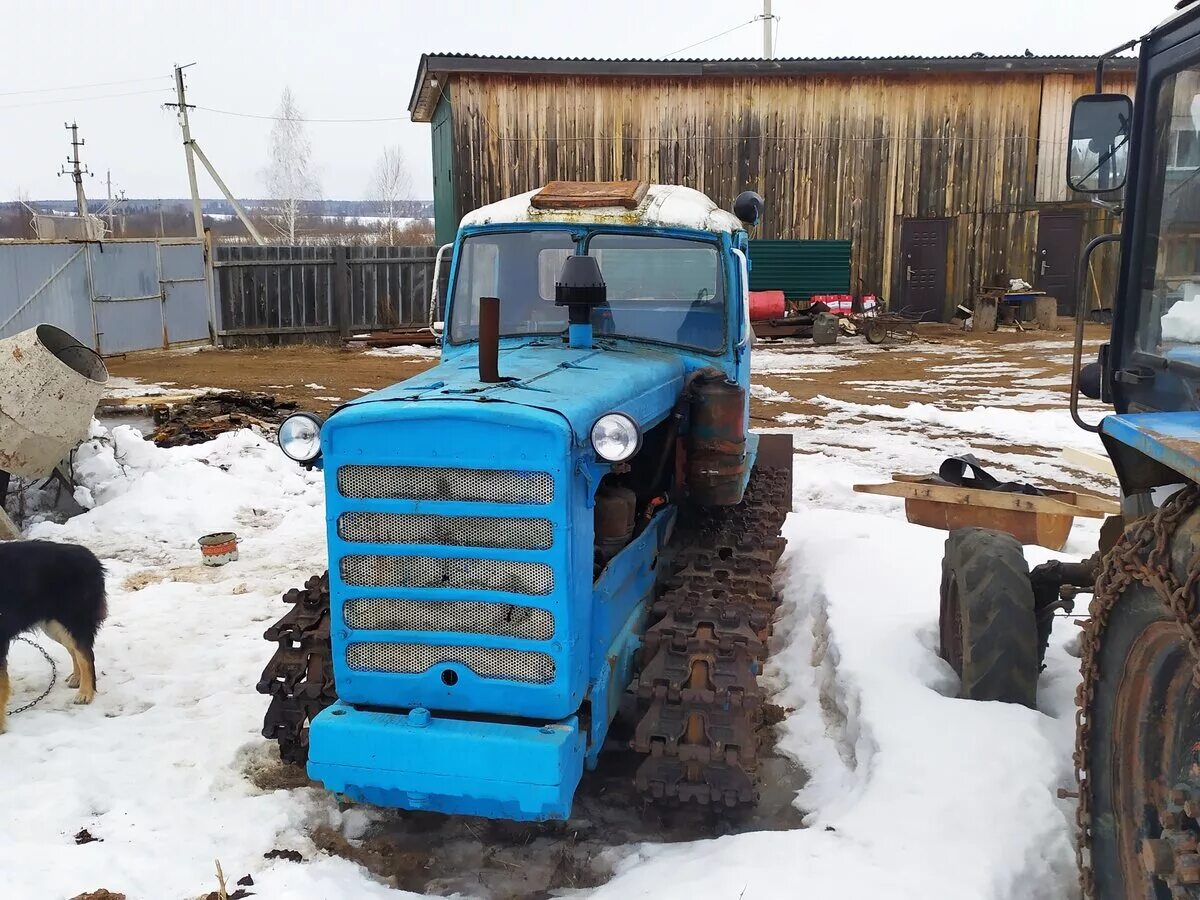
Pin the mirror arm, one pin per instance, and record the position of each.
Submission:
(1128, 45)
(1080, 317)
(437, 281)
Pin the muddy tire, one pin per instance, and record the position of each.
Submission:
(875, 332)
(1143, 742)
(988, 628)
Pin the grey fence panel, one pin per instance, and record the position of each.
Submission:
(44, 282)
(267, 293)
(112, 295)
(185, 292)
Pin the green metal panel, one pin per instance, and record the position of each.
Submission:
(800, 268)
(445, 216)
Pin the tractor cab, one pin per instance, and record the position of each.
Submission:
(567, 511)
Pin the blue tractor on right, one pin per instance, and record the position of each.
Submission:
(1137, 752)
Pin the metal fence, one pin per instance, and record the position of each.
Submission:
(281, 294)
(116, 296)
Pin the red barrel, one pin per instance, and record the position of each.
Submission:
(766, 305)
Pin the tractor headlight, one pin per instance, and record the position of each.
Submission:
(616, 437)
(300, 437)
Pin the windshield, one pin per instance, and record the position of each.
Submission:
(1170, 278)
(668, 290)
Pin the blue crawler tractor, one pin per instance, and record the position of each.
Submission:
(1137, 752)
(567, 511)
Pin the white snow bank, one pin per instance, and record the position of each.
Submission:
(1182, 322)
(155, 766)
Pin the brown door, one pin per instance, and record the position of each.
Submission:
(923, 266)
(1057, 261)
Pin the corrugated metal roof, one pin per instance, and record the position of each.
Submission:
(433, 65)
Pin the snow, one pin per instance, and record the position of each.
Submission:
(911, 793)
(411, 350)
(1182, 322)
(669, 206)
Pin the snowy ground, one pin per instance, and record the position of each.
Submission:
(910, 792)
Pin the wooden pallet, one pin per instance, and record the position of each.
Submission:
(1043, 519)
(590, 194)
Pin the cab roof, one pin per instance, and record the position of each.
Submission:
(658, 206)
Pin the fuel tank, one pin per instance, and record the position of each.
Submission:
(716, 442)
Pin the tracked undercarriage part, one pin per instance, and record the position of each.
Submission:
(1137, 745)
(698, 691)
(299, 677)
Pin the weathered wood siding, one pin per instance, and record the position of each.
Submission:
(838, 157)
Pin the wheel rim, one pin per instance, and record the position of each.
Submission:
(950, 626)
(1156, 768)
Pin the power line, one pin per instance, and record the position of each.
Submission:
(243, 115)
(714, 37)
(79, 87)
(80, 99)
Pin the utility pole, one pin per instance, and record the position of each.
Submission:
(77, 170)
(108, 179)
(767, 19)
(193, 149)
(187, 147)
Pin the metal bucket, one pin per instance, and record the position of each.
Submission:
(49, 387)
(219, 548)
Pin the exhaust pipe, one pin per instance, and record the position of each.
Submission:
(489, 340)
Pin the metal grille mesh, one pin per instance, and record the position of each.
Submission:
(455, 531)
(469, 617)
(435, 572)
(486, 662)
(425, 483)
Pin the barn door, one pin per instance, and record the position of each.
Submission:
(923, 266)
(1057, 262)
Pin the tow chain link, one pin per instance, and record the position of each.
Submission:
(299, 676)
(1142, 555)
(698, 689)
(53, 676)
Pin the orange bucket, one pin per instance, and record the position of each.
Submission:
(219, 548)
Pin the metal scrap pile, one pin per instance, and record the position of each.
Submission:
(209, 415)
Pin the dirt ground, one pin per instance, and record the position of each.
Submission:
(319, 378)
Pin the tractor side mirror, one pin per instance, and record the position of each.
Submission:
(436, 323)
(1098, 149)
(748, 207)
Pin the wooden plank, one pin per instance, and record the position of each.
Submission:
(1032, 503)
(588, 194)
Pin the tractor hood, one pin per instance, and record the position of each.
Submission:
(581, 385)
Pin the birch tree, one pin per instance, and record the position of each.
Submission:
(391, 185)
(290, 176)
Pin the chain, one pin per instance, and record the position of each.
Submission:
(53, 678)
(1143, 555)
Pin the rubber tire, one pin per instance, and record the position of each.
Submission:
(999, 640)
(875, 332)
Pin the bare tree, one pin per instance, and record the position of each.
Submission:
(290, 176)
(391, 185)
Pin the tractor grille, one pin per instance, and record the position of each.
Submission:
(435, 572)
(377, 614)
(486, 662)
(426, 483)
(454, 531)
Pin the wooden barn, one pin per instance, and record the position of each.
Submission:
(945, 174)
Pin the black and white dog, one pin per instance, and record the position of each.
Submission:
(59, 588)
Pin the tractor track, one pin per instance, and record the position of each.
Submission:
(700, 703)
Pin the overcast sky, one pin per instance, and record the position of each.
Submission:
(357, 59)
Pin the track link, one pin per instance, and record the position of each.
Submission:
(299, 676)
(698, 691)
